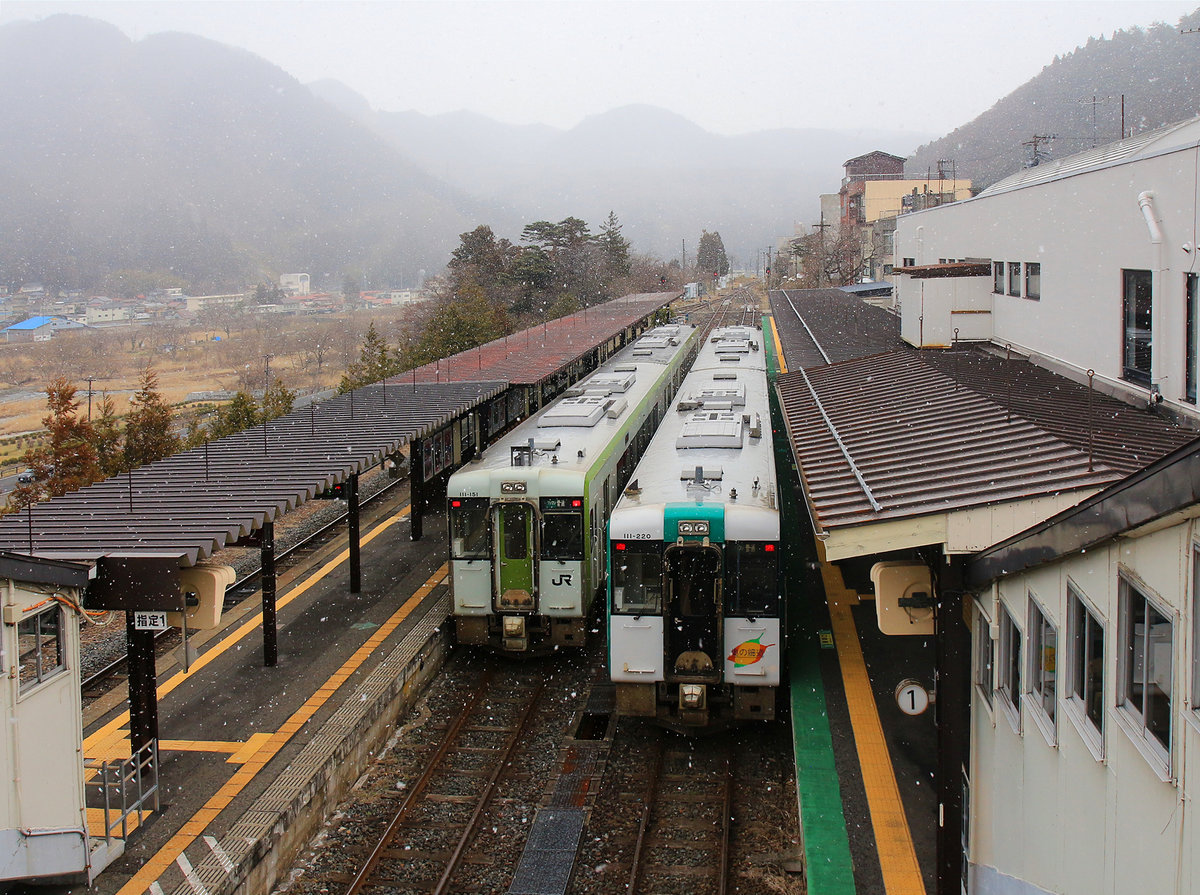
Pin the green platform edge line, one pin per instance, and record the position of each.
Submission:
(828, 867)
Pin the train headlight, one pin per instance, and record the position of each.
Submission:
(691, 696)
(514, 626)
(514, 487)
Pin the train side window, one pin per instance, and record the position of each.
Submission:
(562, 536)
(468, 528)
(752, 579)
(637, 569)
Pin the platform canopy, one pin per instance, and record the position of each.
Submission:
(198, 501)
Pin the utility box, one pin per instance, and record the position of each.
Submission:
(204, 595)
(903, 597)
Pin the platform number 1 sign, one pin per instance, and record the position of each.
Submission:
(912, 698)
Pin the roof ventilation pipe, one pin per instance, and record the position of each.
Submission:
(1157, 323)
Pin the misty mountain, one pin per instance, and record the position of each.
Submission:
(1154, 69)
(180, 154)
(665, 177)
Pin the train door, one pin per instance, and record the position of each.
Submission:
(693, 611)
(513, 529)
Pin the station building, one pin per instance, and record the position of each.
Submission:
(1085, 630)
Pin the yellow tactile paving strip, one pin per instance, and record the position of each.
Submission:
(195, 826)
(778, 346)
(112, 741)
(893, 841)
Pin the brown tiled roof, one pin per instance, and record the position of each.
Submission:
(528, 357)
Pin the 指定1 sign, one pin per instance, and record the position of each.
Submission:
(149, 621)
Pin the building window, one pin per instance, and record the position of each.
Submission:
(40, 644)
(1189, 339)
(1085, 690)
(1043, 651)
(998, 277)
(1014, 278)
(887, 270)
(1033, 280)
(910, 262)
(985, 655)
(1196, 627)
(1144, 692)
(1137, 295)
(1008, 668)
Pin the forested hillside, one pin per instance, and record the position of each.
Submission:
(1156, 70)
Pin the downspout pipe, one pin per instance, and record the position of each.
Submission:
(1157, 323)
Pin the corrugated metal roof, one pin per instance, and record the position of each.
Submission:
(1182, 135)
(929, 432)
(194, 503)
(528, 357)
(820, 326)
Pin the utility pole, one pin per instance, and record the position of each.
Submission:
(683, 254)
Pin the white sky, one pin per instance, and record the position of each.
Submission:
(731, 67)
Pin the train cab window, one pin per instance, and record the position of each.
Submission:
(468, 528)
(752, 579)
(637, 581)
(562, 536)
(513, 528)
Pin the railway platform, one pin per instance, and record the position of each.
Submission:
(251, 757)
(864, 769)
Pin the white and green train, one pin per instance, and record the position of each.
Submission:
(695, 610)
(527, 516)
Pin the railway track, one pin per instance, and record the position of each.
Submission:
(702, 816)
(434, 836)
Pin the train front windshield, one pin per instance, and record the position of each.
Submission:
(637, 577)
(469, 528)
(562, 536)
(751, 579)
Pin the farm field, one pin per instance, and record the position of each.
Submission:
(191, 360)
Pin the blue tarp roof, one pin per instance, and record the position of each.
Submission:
(31, 323)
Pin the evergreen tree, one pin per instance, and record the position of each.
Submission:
(615, 247)
(465, 321)
(278, 400)
(710, 256)
(67, 460)
(106, 437)
(239, 414)
(149, 432)
(375, 362)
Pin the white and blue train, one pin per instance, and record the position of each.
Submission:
(526, 517)
(695, 604)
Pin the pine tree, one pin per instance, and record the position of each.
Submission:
(615, 246)
(66, 461)
(149, 433)
(278, 400)
(239, 414)
(106, 437)
(375, 362)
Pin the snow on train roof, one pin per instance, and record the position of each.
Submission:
(587, 415)
(716, 438)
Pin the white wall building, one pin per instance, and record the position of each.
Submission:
(1093, 262)
(1086, 699)
(1085, 709)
